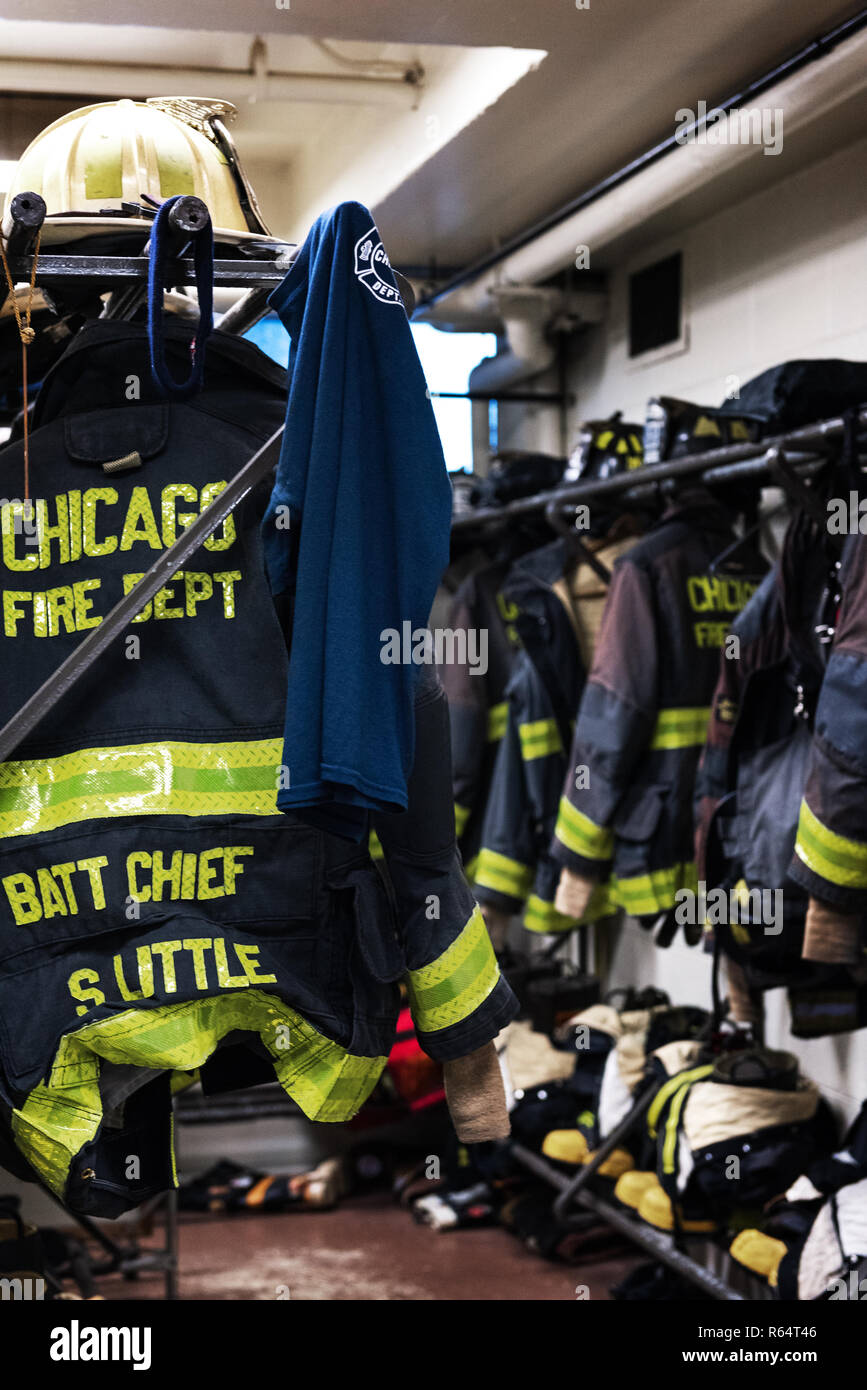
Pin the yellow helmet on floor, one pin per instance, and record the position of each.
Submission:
(100, 157)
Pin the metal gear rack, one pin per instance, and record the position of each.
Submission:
(258, 272)
(784, 460)
(667, 1249)
(787, 461)
(112, 271)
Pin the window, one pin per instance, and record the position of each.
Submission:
(270, 335)
(447, 360)
(655, 305)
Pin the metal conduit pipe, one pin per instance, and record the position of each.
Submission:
(802, 86)
(525, 313)
(716, 465)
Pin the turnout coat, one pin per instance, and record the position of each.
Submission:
(626, 811)
(159, 918)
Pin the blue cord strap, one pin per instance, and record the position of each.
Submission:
(204, 264)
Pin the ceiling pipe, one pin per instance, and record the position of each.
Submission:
(531, 317)
(525, 314)
(238, 85)
(411, 71)
(665, 175)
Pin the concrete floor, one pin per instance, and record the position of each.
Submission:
(368, 1248)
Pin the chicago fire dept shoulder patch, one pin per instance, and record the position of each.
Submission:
(371, 259)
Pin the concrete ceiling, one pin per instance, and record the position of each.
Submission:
(615, 74)
(611, 84)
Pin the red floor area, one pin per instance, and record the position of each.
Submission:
(368, 1249)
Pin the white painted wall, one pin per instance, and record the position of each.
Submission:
(781, 275)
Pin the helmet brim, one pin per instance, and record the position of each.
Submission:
(60, 228)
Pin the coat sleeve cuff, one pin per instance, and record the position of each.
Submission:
(459, 1001)
(480, 1027)
(846, 899)
(580, 844)
(597, 869)
(830, 866)
(501, 881)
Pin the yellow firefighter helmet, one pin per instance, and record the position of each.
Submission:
(99, 157)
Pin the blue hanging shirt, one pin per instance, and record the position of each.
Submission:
(357, 530)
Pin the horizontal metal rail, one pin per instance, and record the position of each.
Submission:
(656, 1243)
(575, 1185)
(804, 448)
(261, 1102)
(122, 270)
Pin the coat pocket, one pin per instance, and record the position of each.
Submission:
(375, 929)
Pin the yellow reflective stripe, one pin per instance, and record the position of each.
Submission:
(543, 916)
(462, 815)
(680, 1078)
(453, 986)
(503, 875)
(539, 738)
(680, 728)
(603, 439)
(669, 1143)
(100, 151)
(64, 1113)
(831, 856)
(143, 779)
(654, 892)
(582, 835)
(374, 848)
(497, 718)
(174, 162)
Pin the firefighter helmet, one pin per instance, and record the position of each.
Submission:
(98, 158)
(605, 447)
